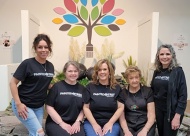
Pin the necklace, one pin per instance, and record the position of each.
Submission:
(44, 66)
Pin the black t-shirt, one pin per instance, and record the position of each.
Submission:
(160, 87)
(67, 100)
(103, 101)
(34, 82)
(136, 107)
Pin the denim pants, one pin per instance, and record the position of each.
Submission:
(90, 131)
(34, 121)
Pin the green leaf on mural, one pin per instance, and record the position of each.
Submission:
(76, 1)
(95, 13)
(76, 31)
(84, 12)
(102, 30)
(102, 1)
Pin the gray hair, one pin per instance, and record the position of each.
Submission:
(173, 64)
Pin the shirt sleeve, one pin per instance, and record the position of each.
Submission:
(150, 97)
(86, 95)
(120, 96)
(52, 95)
(21, 71)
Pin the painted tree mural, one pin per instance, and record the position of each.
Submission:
(81, 18)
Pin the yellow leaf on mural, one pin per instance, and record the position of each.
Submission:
(102, 31)
(57, 20)
(120, 21)
(76, 31)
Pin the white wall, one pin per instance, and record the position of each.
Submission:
(174, 18)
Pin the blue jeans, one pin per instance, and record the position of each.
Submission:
(34, 121)
(89, 131)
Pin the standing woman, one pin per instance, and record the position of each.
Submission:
(35, 75)
(138, 118)
(170, 91)
(64, 104)
(103, 102)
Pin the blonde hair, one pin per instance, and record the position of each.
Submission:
(131, 69)
(112, 80)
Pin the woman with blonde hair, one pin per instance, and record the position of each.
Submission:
(138, 118)
(103, 102)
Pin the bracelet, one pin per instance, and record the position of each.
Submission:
(79, 121)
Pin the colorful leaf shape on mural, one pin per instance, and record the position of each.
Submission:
(117, 12)
(76, 1)
(70, 5)
(84, 2)
(102, 31)
(94, 2)
(70, 18)
(84, 12)
(108, 6)
(102, 1)
(108, 19)
(57, 20)
(113, 27)
(76, 31)
(65, 27)
(95, 13)
(59, 10)
(120, 21)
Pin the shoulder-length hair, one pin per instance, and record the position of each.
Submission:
(173, 64)
(112, 80)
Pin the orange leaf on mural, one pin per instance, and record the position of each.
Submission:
(57, 20)
(120, 21)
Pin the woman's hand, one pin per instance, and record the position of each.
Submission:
(128, 133)
(75, 127)
(143, 132)
(66, 126)
(22, 111)
(176, 121)
(97, 129)
(107, 127)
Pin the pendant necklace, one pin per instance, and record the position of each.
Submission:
(44, 66)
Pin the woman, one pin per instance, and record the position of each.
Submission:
(170, 91)
(139, 115)
(35, 75)
(64, 105)
(103, 102)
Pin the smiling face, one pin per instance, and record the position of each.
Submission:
(71, 74)
(134, 79)
(42, 50)
(103, 74)
(165, 57)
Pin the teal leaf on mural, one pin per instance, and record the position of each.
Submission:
(108, 6)
(70, 5)
(70, 18)
(84, 2)
(95, 13)
(84, 13)
(113, 27)
(108, 19)
(102, 1)
(76, 31)
(65, 27)
(102, 30)
(94, 2)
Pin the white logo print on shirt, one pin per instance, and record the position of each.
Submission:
(162, 78)
(105, 94)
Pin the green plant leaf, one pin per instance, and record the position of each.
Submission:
(95, 13)
(84, 12)
(76, 31)
(102, 31)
